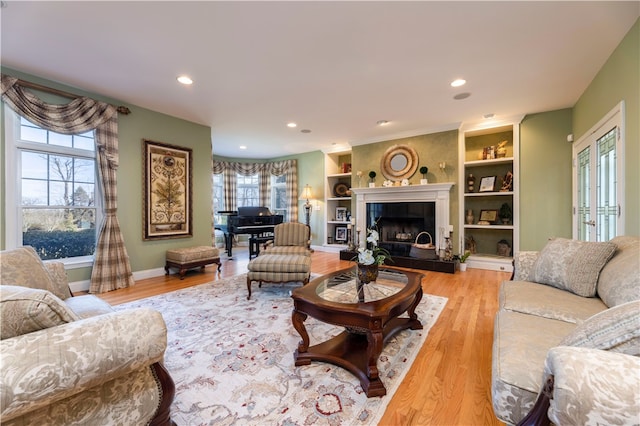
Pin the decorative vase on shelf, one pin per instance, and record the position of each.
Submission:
(367, 273)
(470, 218)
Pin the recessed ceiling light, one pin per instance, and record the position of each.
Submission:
(243, 147)
(382, 122)
(185, 80)
(460, 96)
(458, 82)
(488, 116)
(305, 131)
(292, 125)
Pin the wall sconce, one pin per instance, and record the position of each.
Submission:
(307, 195)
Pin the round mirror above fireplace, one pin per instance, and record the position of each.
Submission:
(399, 162)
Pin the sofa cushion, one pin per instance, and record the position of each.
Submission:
(619, 280)
(616, 329)
(548, 302)
(572, 265)
(23, 267)
(24, 310)
(520, 345)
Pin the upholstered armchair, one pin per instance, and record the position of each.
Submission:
(74, 360)
(289, 238)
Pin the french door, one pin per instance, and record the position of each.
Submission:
(598, 180)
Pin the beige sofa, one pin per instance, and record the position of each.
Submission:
(74, 360)
(568, 334)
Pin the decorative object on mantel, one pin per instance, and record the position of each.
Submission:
(424, 170)
(471, 183)
(359, 175)
(372, 179)
(405, 182)
(399, 162)
(423, 251)
(387, 183)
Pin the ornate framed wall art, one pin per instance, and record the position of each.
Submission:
(167, 191)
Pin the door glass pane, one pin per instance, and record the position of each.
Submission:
(584, 204)
(606, 181)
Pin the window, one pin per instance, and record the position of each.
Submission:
(218, 198)
(51, 179)
(598, 192)
(248, 191)
(279, 199)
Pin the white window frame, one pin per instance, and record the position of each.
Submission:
(13, 191)
(613, 119)
(274, 185)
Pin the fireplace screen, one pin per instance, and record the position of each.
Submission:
(400, 223)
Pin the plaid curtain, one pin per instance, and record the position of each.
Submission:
(111, 268)
(231, 170)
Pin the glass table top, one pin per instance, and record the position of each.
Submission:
(344, 287)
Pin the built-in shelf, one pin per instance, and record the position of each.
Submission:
(487, 238)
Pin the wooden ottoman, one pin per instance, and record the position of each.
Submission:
(278, 268)
(191, 257)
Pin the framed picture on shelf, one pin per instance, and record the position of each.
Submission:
(341, 214)
(341, 233)
(487, 184)
(488, 216)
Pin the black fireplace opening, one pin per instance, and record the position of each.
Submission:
(399, 224)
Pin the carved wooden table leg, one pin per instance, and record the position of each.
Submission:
(297, 318)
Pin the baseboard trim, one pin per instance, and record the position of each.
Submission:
(84, 285)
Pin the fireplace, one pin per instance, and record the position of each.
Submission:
(400, 224)
(402, 213)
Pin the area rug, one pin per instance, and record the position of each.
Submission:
(232, 359)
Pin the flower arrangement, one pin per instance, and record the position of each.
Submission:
(373, 253)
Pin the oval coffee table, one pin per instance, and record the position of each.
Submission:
(370, 314)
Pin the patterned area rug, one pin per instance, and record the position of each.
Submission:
(232, 359)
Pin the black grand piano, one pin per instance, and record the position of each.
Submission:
(254, 221)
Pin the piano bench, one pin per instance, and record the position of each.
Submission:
(278, 268)
(191, 257)
(254, 245)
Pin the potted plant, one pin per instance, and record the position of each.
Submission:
(372, 179)
(424, 170)
(505, 213)
(463, 260)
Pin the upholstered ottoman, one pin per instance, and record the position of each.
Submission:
(191, 257)
(278, 268)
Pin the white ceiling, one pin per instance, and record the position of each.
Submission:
(335, 68)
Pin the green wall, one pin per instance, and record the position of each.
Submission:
(545, 178)
(146, 124)
(618, 80)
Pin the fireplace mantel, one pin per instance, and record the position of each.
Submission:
(438, 192)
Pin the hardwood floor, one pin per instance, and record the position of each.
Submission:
(449, 383)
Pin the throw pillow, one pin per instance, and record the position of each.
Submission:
(617, 329)
(24, 310)
(572, 265)
(619, 280)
